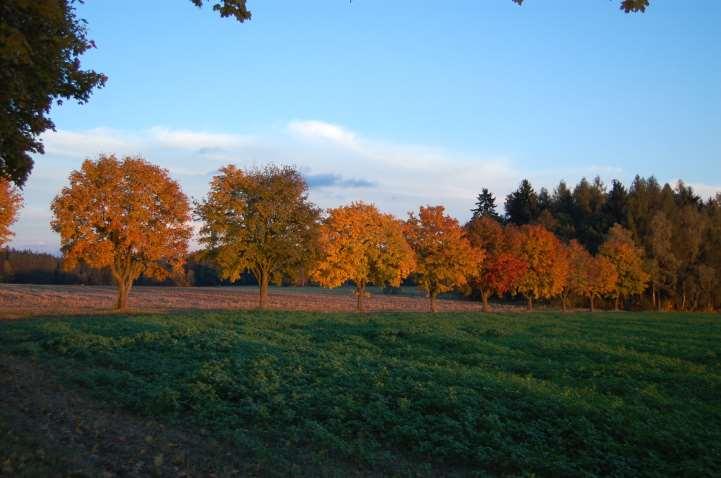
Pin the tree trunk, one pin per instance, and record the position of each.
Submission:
(432, 298)
(616, 301)
(360, 292)
(530, 303)
(590, 302)
(263, 289)
(659, 302)
(124, 286)
(484, 296)
(564, 299)
(653, 296)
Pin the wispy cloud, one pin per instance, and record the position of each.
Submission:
(340, 165)
(196, 140)
(322, 131)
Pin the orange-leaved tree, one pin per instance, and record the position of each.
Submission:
(124, 214)
(547, 265)
(500, 269)
(602, 278)
(627, 259)
(445, 258)
(10, 202)
(360, 244)
(258, 220)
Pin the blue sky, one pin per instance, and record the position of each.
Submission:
(401, 103)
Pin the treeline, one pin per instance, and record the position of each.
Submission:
(31, 267)
(648, 246)
(679, 234)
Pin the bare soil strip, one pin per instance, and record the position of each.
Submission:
(20, 300)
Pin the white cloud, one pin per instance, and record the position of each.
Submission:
(320, 130)
(344, 165)
(90, 143)
(194, 140)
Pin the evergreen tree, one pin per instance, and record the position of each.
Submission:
(522, 205)
(589, 199)
(615, 209)
(562, 208)
(486, 206)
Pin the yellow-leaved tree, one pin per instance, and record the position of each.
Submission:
(588, 276)
(259, 220)
(124, 214)
(360, 244)
(445, 258)
(627, 259)
(10, 202)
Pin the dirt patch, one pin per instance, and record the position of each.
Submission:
(19, 300)
(47, 428)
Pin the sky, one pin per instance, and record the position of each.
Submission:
(401, 103)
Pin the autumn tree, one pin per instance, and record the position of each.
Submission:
(258, 220)
(500, 269)
(602, 278)
(445, 258)
(360, 244)
(124, 214)
(547, 266)
(10, 202)
(627, 259)
(576, 280)
(588, 276)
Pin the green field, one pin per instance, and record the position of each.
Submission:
(408, 394)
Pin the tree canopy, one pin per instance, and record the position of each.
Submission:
(258, 220)
(547, 265)
(501, 269)
(626, 5)
(360, 244)
(485, 206)
(40, 47)
(445, 258)
(10, 202)
(228, 8)
(124, 214)
(627, 259)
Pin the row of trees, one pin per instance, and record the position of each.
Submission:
(129, 217)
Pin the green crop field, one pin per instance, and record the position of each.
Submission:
(404, 394)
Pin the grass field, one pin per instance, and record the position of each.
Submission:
(278, 393)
